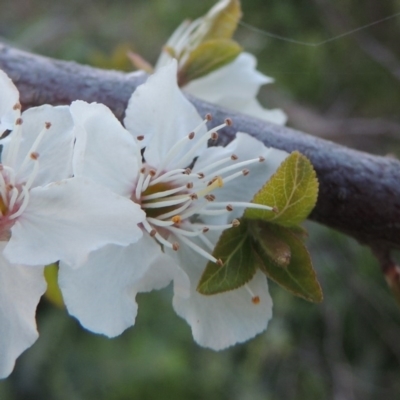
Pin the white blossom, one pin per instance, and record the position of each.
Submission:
(190, 194)
(45, 214)
(234, 85)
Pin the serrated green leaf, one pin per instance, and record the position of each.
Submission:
(53, 292)
(207, 57)
(234, 249)
(222, 20)
(299, 276)
(292, 190)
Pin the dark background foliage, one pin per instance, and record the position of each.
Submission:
(346, 90)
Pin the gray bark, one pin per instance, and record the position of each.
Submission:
(359, 193)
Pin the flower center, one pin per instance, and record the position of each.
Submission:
(176, 201)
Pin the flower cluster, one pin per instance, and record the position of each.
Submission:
(124, 209)
(234, 85)
(220, 72)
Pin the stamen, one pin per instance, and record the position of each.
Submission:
(197, 248)
(177, 147)
(213, 212)
(177, 219)
(205, 228)
(254, 299)
(216, 164)
(228, 122)
(35, 144)
(162, 204)
(190, 154)
(176, 211)
(168, 176)
(236, 175)
(14, 196)
(165, 193)
(184, 232)
(156, 235)
(14, 144)
(139, 185)
(216, 183)
(175, 246)
(235, 223)
(239, 165)
(192, 211)
(140, 138)
(3, 190)
(23, 205)
(209, 197)
(10, 174)
(241, 204)
(156, 221)
(146, 181)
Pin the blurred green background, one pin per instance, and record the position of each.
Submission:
(346, 90)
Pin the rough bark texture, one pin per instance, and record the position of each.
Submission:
(359, 193)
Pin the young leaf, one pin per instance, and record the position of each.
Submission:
(207, 57)
(292, 190)
(299, 276)
(221, 21)
(277, 250)
(239, 263)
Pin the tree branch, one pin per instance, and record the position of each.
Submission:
(359, 193)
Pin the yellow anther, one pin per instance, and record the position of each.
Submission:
(176, 219)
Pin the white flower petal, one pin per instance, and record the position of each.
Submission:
(235, 86)
(54, 149)
(163, 270)
(221, 320)
(99, 294)
(104, 151)
(160, 112)
(9, 97)
(20, 290)
(69, 219)
(254, 109)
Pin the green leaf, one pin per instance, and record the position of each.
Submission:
(53, 292)
(239, 263)
(207, 57)
(292, 190)
(222, 20)
(298, 277)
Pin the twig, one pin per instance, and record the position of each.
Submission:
(359, 193)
